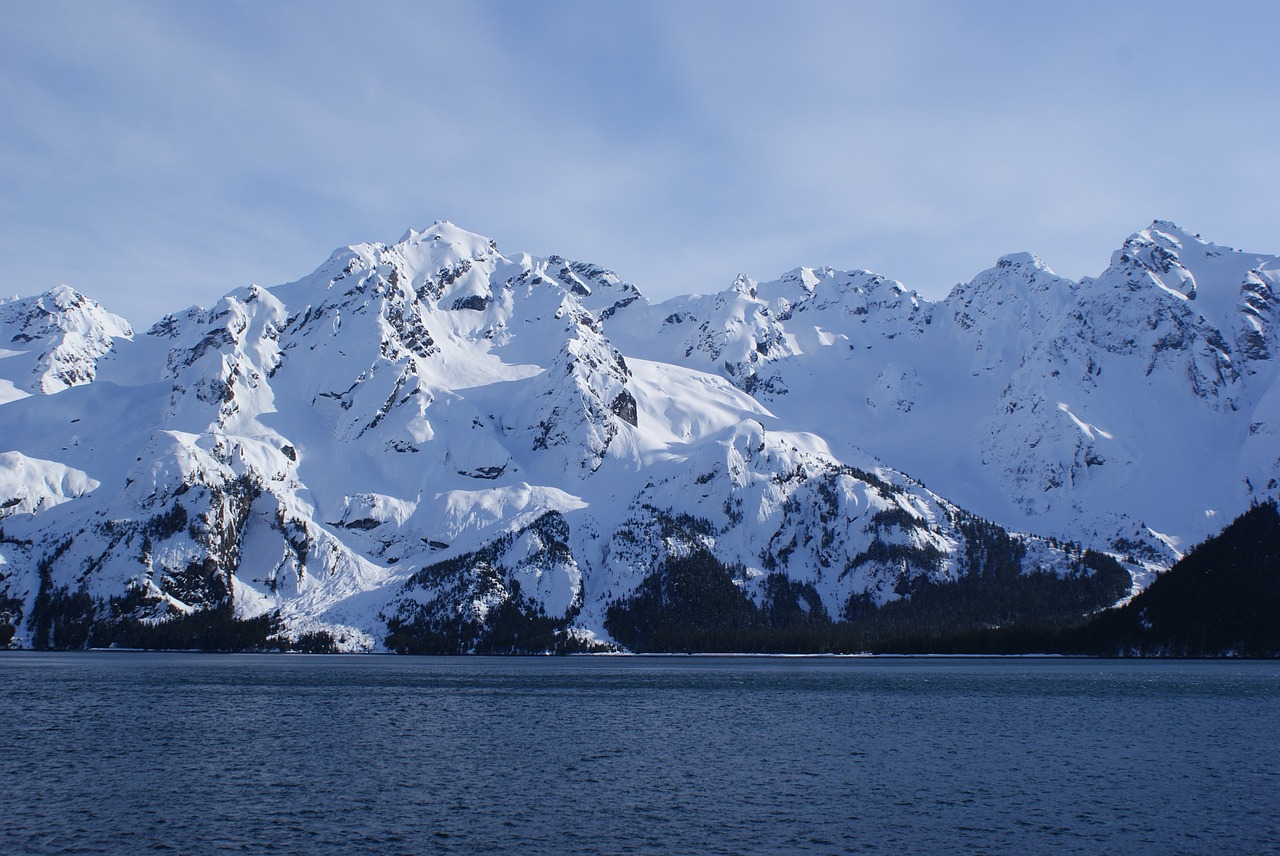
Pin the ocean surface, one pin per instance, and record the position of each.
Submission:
(202, 753)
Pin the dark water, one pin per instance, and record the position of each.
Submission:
(279, 754)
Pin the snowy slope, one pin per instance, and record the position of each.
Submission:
(434, 436)
(1135, 407)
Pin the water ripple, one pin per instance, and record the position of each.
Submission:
(114, 753)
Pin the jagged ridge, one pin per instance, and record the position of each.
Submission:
(433, 436)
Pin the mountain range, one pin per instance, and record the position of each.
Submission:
(435, 445)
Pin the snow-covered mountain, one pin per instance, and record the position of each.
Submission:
(434, 440)
(54, 341)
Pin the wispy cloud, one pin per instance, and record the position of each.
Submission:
(155, 154)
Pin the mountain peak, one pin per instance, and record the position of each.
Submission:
(60, 336)
(1022, 260)
(64, 296)
(1170, 229)
(1171, 237)
(743, 284)
(445, 232)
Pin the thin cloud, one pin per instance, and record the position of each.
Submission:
(159, 154)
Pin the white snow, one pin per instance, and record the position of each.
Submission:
(30, 485)
(417, 402)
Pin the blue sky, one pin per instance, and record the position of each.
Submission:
(158, 154)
